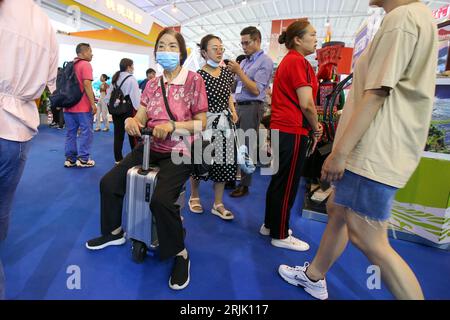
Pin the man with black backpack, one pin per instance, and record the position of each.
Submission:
(80, 115)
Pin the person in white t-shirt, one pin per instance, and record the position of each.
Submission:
(378, 146)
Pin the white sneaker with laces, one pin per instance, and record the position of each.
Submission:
(291, 243)
(297, 277)
(266, 231)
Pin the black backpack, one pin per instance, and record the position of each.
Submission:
(119, 103)
(68, 92)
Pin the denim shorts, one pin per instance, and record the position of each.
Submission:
(364, 196)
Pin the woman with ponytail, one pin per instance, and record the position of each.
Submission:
(294, 115)
(130, 89)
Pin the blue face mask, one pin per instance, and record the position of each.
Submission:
(168, 60)
(212, 63)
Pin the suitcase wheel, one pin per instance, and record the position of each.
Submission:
(139, 250)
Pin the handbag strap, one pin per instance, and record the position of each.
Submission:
(166, 102)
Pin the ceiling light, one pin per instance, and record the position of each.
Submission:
(244, 3)
(174, 8)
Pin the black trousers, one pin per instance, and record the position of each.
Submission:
(58, 116)
(283, 187)
(171, 179)
(119, 134)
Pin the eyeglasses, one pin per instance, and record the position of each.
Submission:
(246, 43)
(218, 49)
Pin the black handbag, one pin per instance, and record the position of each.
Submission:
(200, 167)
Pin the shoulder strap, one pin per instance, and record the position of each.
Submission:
(166, 103)
(124, 81)
(74, 62)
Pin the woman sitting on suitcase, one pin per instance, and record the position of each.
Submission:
(188, 104)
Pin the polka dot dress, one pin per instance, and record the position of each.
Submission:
(218, 90)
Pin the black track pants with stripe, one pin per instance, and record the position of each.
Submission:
(284, 184)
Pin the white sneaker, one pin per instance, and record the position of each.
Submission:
(266, 231)
(297, 277)
(291, 243)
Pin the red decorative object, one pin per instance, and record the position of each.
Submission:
(334, 56)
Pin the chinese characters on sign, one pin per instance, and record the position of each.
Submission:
(124, 11)
(442, 13)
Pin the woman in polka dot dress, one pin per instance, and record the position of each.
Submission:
(218, 83)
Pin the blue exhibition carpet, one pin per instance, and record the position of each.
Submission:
(57, 209)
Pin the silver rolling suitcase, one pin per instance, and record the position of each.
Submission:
(140, 224)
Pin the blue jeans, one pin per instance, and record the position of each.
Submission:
(364, 196)
(12, 162)
(84, 121)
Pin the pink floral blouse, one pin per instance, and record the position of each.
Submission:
(186, 97)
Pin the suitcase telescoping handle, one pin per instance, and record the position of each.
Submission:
(146, 133)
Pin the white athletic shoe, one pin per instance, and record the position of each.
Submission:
(266, 231)
(297, 277)
(291, 243)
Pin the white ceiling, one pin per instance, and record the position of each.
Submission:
(226, 18)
